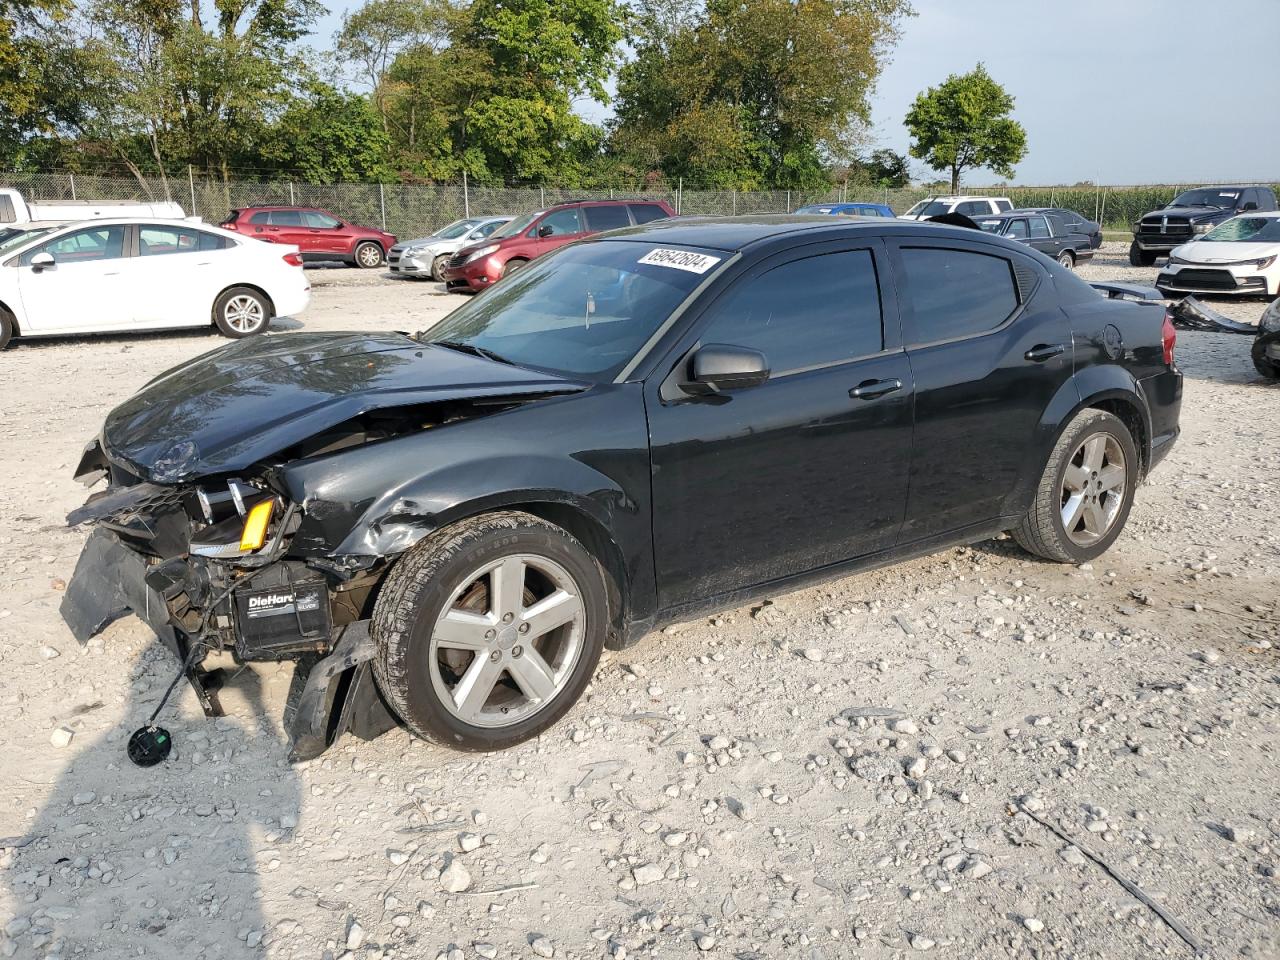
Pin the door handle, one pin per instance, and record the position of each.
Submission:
(870, 389)
(1044, 351)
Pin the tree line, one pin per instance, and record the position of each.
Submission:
(735, 94)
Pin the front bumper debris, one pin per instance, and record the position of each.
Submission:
(110, 582)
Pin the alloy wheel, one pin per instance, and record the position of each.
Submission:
(370, 255)
(1093, 489)
(243, 313)
(507, 641)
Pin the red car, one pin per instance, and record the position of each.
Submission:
(317, 234)
(524, 238)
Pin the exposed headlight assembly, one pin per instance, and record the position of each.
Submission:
(1202, 227)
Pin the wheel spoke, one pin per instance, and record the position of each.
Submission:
(532, 674)
(550, 612)
(1071, 511)
(473, 690)
(1074, 478)
(463, 630)
(1094, 450)
(1095, 518)
(506, 588)
(1111, 477)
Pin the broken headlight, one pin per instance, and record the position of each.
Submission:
(237, 520)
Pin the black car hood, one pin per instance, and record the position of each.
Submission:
(1195, 213)
(234, 406)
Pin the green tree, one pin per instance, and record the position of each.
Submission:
(329, 136)
(752, 92)
(964, 123)
(888, 168)
(39, 69)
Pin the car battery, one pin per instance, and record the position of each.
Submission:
(282, 613)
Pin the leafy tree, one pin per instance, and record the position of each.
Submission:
(887, 168)
(38, 73)
(330, 137)
(752, 92)
(964, 123)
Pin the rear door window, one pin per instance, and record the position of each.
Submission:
(609, 217)
(286, 218)
(647, 212)
(955, 293)
(154, 240)
(261, 217)
(1039, 228)
(806, 313)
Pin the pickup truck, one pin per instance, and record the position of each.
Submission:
(1190, 214)
(16, 210)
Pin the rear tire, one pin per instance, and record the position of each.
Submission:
(1082, 502)
(369, 255)
(463, 659)
(8, 329)
(241, 312)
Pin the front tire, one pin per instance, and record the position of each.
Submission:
(1085, 492)
(489, 630)
(368, 255)
(1264, 364)
(241, 312)
(437, 267)
(1067, 259)
(511, 266)
(8, 329)
(1139, 257)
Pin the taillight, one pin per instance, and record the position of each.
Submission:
(295, 260)
(1168, 337)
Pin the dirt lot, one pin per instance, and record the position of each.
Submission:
(725, 786)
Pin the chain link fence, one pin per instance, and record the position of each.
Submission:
(413, 210)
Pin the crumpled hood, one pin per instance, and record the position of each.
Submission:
(1208, 251)
(233, 406)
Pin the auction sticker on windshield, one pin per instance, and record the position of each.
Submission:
(680, 260)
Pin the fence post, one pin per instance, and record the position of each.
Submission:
(1102, 214)
(382, 206)
(291, 200)
(191, 182)
(73, 186)
(679, 195)
(466, 196)
(735, 201)
(788, 201)
(542, 197)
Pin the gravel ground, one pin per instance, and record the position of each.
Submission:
(846, 771)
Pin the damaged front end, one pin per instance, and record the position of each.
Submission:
(197, 531)
(205, 566)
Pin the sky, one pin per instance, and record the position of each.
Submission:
(1110, 91)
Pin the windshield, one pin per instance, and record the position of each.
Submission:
(928, 208)
(455, 229)
(11, 240)
(512, 227)
(815, 208)
(582, 311)
(1246, 230)
(1208, 197)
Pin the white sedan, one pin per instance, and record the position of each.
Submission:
(111, 276)
(1238, 256)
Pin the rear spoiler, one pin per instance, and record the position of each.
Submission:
(1127, 291)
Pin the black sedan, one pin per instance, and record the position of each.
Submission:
(1046, 232)
(667, 419)
(1073, 222)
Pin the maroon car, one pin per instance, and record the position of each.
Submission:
(318, 234)
(524, 238)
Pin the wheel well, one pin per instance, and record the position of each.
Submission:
(248, 286)
(1131, 417)
(363, 240)
(592, 535)
(1069, 253)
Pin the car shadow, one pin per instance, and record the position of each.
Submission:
(161, 861)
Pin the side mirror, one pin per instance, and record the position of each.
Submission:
(717, 367)
(545, 230)
(42, 261)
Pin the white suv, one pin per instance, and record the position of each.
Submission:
(967, 206)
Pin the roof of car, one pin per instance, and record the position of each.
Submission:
(737, 233)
